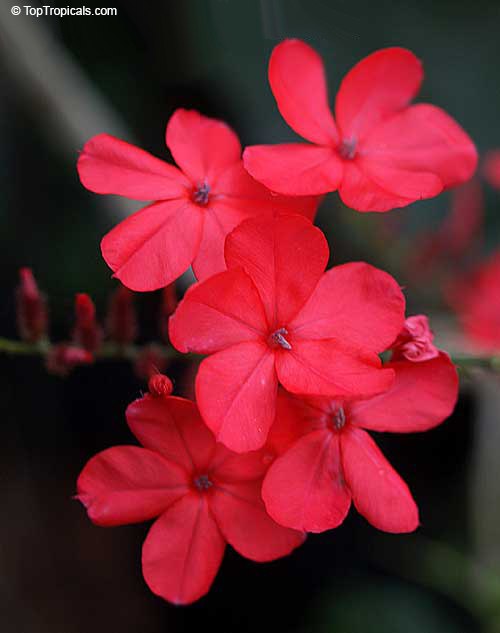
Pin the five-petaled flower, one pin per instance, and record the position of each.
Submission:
(204, 495)
(379, 151)
(195, 204)
(335, 461)
(275, 315)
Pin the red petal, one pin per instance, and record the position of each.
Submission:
(356, 303)
(295, 169)
(236, 393)
(221, 217)
(424, 147)
(229, 467)
(378, 492)
(242, 518)
(154, 246)
(183, 551)
(304, 488)
(298, 81)
(219, 312)
(293, 420)
(128, 484)
(360, 192)
(423, 395)
(236, 197)
(202, 147)
(172, 427)
(109, 165)
(331, 368)
(285, 256)
(378, 86)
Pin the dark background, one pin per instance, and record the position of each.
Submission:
(58, 572)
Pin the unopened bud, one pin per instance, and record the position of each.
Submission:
(415, 341)
(87, 333)
(64, 357)
(122, 319)
(32, 315)
(160, 385)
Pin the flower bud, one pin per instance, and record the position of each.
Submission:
(415, 341)
(64, 357)
(32, 314)
(160, 385)
(122, 319)
(87, 333)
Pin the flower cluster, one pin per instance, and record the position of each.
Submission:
(300, 362)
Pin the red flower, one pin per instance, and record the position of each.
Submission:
(274, 315)
(121, 320)
(196, 204)
(381, 153)
(204, 495)
(311, 486)
(476, 301)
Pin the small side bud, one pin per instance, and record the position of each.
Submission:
(160, 385)
(121, 322)
(87, 333)
(415, 341)
(150, 360)
(32, 313)
(64, 357)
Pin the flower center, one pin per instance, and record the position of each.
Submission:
(277, 339)
(339, 419)
(200, 195)
(347, 148)
(203, 483)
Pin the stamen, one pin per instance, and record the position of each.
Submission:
(200, 195)
(339, 419)
(203, 483)
(278, 338)
(347, 148)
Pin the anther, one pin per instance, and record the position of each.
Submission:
(278, 338)
(203, 482)
(200, 195)
(339, 419)
(347, 148)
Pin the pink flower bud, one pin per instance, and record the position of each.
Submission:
(122, 319)
(415, 341)
(64, 357)
(160, 385)
(32, 314)
(87, 333)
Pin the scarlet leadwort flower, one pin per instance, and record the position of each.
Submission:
(380, 152)
(335, 461)
(204, 495)
(276, 316)
(196, 204)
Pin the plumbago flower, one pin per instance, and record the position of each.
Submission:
(380, 152)
(335, 462)
(204, 495)
(276, 316)
(196, 204)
